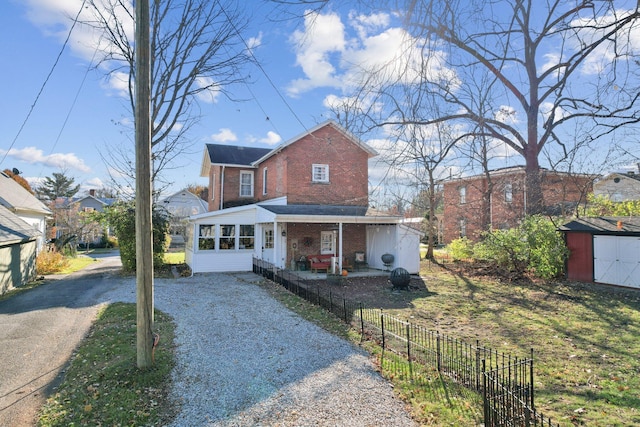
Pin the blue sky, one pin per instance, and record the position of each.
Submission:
(80, 112)
(75, 117)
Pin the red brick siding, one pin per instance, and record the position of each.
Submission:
(557, 189)
(354, 239)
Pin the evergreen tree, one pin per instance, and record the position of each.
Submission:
(57, 186)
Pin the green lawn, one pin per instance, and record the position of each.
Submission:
(585, 338)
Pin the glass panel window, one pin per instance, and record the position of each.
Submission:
(508, 193)
(227, 237)
(207, 237)
(320, 173)
(268, 239)
(247, 237)
(463, 195)
(246, 184)
(327, 242)
(463, 227)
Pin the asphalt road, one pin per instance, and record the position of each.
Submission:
(39, 330)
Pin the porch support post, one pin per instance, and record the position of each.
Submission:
(276, 244)
(340, 246)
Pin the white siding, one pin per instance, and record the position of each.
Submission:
(616, 260)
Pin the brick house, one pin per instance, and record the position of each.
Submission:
(469, 209)
(306, 197)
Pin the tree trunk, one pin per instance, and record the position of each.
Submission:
(534, 203)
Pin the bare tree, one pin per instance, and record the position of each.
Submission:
(197, 52)
(555, 63)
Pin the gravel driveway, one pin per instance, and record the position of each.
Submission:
(243, 359)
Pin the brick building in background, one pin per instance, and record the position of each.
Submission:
(469, 209)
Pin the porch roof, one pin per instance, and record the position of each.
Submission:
(329, 213)
(603, 225)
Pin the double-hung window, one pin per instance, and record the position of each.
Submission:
(320, 173)
(246, 184)
(508, 193)
(463, 194)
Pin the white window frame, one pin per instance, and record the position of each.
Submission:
(268, 238)
(264, 181)
(228, 239)
(327, 242)
(209, 235)
(242, 184)
(463, 227)
(246, 241)
(323, 173)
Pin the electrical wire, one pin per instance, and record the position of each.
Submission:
(53, 67)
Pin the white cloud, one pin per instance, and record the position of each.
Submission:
(33, 155)
(329, 58)
(254, 42)
(209, 92)
(272, 138)
(507, 114)
(322, 36)
(224, 135)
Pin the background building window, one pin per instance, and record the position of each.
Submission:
(247, 237)
(463, 195)
(207, 237)
(227, 237)
(320, 173)
(508, 193)
(246, 184)
(463, 227)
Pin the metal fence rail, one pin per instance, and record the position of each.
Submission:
(506, 383)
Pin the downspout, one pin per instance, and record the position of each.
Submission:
(222, 187)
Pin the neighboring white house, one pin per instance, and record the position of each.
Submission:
(18, 244)
(25, 206)
(181, 206)
(619, 187)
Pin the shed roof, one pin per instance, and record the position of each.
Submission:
(13, 229)
(630, 225)
(220, 154)
(15, 198)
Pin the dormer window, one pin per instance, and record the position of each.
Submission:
(320, 173)
(246, 184)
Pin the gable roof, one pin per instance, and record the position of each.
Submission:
(15, 198)
(230, 155)
(13, 229)
(604, 225)
(370, 151)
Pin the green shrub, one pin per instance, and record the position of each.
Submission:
(122, 218)
(461, 248)
(534, 246)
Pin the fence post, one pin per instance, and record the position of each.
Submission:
(438, 354)
(477, 364)
(533, 406)
(361, 322)
(382, 327)
(409, 350)
(485, 402)
(344, 307)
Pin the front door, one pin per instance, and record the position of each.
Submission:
(267, 243)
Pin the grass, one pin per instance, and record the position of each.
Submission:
(103, 386)
(584, 336)
(174, 258)
(74, 264)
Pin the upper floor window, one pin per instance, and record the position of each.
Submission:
(264, 181)
(463, 194)
(508, 193)
(320, 173)
(246, 184)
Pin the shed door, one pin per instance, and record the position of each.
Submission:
(616, 260)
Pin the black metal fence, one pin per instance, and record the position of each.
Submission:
(505, 382)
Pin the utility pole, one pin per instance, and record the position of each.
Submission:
(144, 228)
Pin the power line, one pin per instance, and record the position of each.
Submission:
(53, 67)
